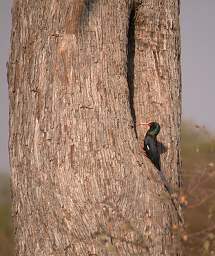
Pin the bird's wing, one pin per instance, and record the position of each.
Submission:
(150, 146)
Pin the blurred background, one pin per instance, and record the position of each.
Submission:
(198, 139)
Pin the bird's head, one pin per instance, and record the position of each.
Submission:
(154, 128)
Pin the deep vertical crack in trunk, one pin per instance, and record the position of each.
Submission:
(130, 65)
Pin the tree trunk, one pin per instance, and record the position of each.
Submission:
(82, 75)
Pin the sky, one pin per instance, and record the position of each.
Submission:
(198, 61)
(5, 24)
(198, 66)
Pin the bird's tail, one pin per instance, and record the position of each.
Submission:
(165, 182)
(170, 191)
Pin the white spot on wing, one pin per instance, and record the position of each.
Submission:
(148, 147)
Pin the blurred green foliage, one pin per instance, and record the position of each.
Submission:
(6, 244)
(198, 157)
(198, 164)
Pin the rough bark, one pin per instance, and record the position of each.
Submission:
(80, 78)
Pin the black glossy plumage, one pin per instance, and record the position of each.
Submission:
(151, 149)
(150, 144)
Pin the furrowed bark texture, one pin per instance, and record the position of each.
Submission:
(81, 73)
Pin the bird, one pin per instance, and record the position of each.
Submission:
(151, 149)
(152, 152)
(150, 143)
